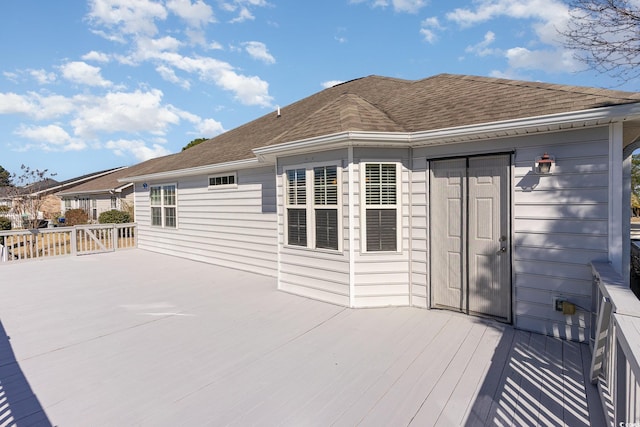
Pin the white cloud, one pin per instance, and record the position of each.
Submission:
(83, 73)
(408, 6)
(42, 76)
(95, 56)
(428, 29)
(12, 77)
(546, 60)
(137, 148)
(550, 15)
(249, 90)
(130, 112)
(35, 105)
(127, 16)
(209, 128)
(483, 48)
(50, 138)
(244, 15)
(51, 133)
(195, 14)
(331, 83)
(169, 75)
(258, 50)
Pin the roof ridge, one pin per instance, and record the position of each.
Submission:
(575, 89)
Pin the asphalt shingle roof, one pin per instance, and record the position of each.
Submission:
(383, 104)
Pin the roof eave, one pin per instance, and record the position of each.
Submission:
(199, 170)
(500, 129)
(94, 191)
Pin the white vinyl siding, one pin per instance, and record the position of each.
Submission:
(232, 227)
(382, 277)
(318, 270)
(559, 224)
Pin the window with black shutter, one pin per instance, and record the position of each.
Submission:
(381, 201)
(297, 207)
(313, 221)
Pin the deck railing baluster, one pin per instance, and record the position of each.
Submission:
(20, 245)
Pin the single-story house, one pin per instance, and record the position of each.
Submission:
(481, 195)
(99, 194)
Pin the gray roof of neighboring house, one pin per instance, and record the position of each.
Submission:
(383, 104)
(101, 184)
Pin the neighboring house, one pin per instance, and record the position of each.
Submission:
(484, 196)
(45, 192)
(99, 194)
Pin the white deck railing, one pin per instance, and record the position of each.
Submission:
(615, 345)
(19, 245)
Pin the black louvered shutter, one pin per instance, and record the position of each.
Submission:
(327, 228)
(381, 230)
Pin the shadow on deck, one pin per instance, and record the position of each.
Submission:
(18, 403)
(537, 380)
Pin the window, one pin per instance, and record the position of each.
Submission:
(163, 205)
(381, 206)
(114, 202)
(222, 180)
(312, 204)
(325, 190)
(67, 204)
(297, 210)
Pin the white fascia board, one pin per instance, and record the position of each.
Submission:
(334, 141)
(529, 125)
(122, 187)
(200, 170)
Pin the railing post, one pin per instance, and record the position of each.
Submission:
(620, 394)
(114, 235)
(74, 241)
(3, 253)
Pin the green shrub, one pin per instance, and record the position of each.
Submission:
(4, 209)
(5, 223)
(114, 216)
(76, 217)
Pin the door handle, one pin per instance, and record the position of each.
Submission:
(502, 250)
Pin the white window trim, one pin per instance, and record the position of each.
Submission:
(162, 206)
(397, 206)
(310, 205)
(223, 186)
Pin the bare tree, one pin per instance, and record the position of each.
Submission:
(605, 34)
(28, 193)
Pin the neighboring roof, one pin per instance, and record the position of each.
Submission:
(382, 104)
(101, 184)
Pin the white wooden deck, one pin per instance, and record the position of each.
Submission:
(137, 338)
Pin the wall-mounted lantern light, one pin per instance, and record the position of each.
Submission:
(544, 164)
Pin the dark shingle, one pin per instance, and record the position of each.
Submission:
(382, 104)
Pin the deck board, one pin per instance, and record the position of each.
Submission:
(137, 338)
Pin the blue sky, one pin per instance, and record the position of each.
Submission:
(90, 85)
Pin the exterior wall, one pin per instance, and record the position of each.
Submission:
(233, 227)
(371, 279)
(315, 273)
(559, 224)
(420, 233)
(382, 278)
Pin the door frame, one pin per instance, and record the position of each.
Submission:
(510, 221)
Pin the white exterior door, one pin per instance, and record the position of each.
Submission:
(470, 235)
